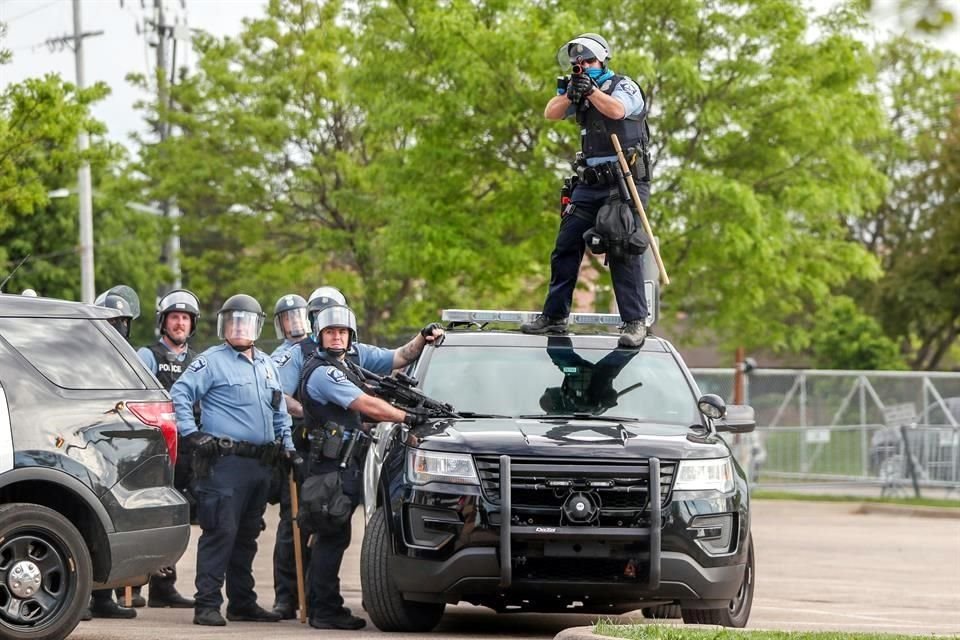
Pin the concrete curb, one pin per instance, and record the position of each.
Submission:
(867, 508)
(581, 633)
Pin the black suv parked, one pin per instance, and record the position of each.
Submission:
(538, 497)
(87, 435)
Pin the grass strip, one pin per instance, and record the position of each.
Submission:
(662, 632)
(909, 502)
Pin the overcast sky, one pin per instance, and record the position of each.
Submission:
(121, 50)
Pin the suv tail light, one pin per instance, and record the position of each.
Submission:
(159, 415)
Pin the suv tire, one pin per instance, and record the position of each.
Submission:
(662, 612)
(737, 614)
(383, 602)
(45, 545)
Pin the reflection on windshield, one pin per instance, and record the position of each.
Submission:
(560, 380)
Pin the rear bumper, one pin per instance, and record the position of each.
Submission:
(136, 554)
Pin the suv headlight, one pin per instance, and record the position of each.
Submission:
(430, 466)
(715, 474)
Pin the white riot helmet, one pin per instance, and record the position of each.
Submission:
(337, 315)
(586, 46)
(323, 297)
(293, 309)
(240, 319)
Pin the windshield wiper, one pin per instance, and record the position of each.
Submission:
(475, 414)
(576, 416)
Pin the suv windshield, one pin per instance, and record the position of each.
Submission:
(561, 380)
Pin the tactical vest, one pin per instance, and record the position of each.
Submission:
(318, 414)
(596, 128)
(168, 370)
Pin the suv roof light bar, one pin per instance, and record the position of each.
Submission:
(516, 317)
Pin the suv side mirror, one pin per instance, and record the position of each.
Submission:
(736, 418)
(740, 418)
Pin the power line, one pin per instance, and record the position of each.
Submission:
(30, 12)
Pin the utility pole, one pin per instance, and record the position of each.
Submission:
(84, 187)
(171, 250)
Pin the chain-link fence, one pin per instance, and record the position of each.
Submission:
(896, 430)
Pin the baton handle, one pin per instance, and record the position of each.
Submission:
(297, 550)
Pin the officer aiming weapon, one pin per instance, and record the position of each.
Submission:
(628, 178)
(401, 391)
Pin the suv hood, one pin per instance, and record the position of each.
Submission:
(566, 438)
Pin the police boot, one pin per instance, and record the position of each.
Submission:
(633, 334)
(136, 600)
(106, 608)
(341, 620)
(545, 324)
(252, 613)
(163, 592)
(286, 610)
(208, 617)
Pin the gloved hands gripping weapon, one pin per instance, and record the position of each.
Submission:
(401, 391)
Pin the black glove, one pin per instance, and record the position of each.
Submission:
(415, 417)
(581, 85)
(572, 93)
(433, 330)
(199, 440)
(293, 461)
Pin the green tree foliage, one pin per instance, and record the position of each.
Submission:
(848, 338)
(39, 122)
(915, 232)
(398, 150)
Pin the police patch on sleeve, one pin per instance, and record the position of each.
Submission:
(629, 87)
(284, 359)
(337, 376)
(197, 364)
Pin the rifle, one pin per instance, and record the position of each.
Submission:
(401, 391)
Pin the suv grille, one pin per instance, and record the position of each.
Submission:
(539, 486)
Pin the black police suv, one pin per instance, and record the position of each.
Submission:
(87, 440)
(580, 477)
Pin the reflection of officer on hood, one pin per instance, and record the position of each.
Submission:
(587, 387)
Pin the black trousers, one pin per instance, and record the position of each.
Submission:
(627, 274)
(230, 507)
(326, 554)
(284, 560)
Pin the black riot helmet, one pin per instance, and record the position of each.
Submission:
(323, 297)
(240, 319)
(336, 315)
(180, 300)
(292, 309)
(123, 299)
(586, 46)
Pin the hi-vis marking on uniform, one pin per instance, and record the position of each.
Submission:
(6, 437)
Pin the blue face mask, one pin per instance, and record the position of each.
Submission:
(599, 75)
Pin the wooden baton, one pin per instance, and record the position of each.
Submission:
(297, 551)
(664, 278)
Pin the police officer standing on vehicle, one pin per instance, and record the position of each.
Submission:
(603, 103)
(125, 300)
(177, 315)
(245, 424)
(291, 324)
(335, 404)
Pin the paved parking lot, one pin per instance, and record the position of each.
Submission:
(819, 567)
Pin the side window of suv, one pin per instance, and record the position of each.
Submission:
(71, 353)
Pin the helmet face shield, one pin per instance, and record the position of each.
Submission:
(582, 47)
(179, 300)
(291, 324)
(239, 327)
(335, 316)
(122, 298)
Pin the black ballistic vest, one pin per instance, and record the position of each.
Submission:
(168, 368)
(596, 128)
(318, 414)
